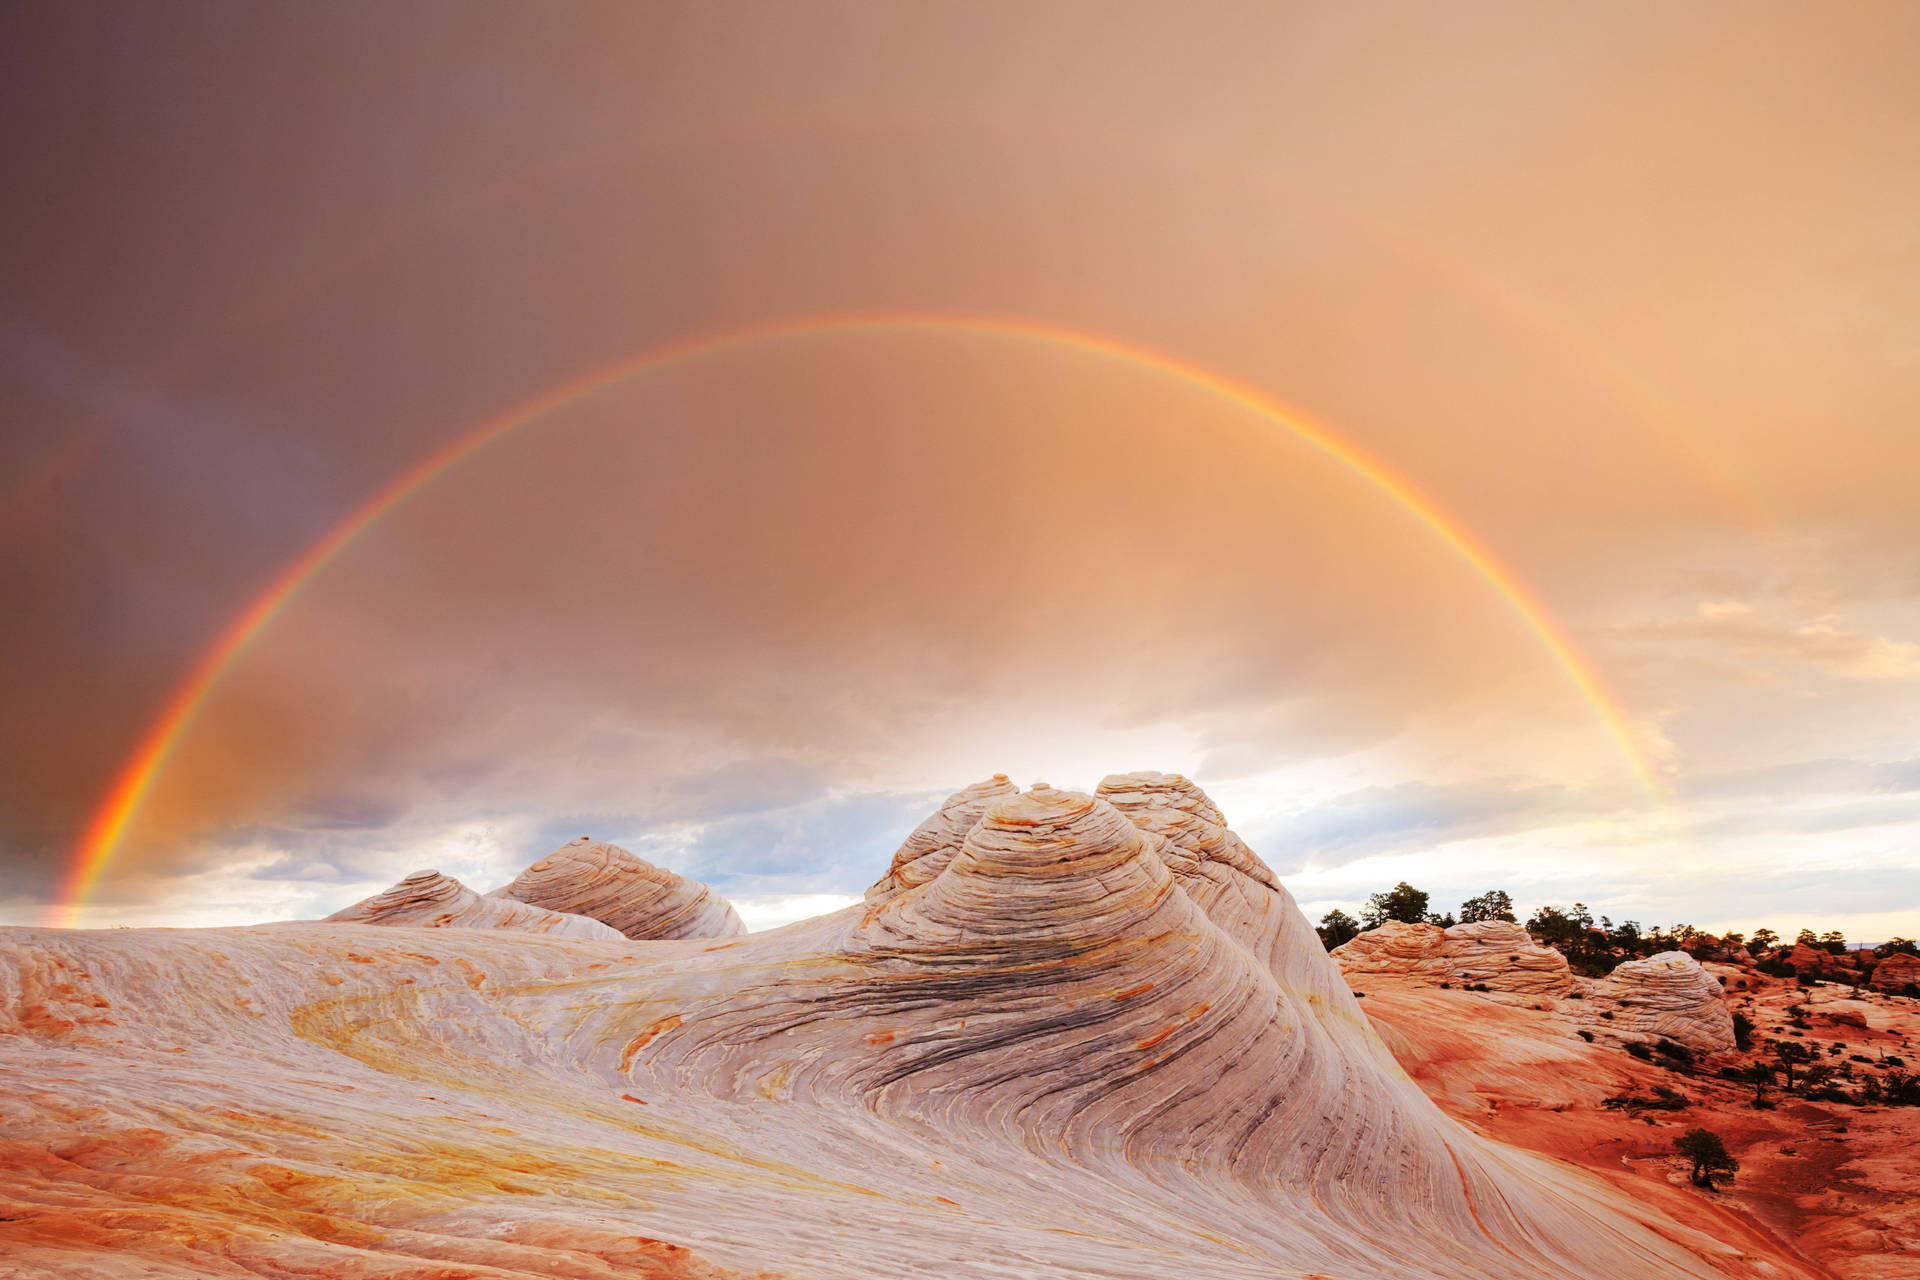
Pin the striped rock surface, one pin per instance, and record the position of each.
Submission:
(592, 878)
(429, 900)
(1497, 953)
(925, 854)
(1666, 996)
(1051, 1060)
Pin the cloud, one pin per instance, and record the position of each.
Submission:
(1825, 644)
(1417, 815)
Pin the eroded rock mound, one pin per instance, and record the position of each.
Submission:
(1057, 1057)
(594, 878)
(1896, 972)
(1666, 996)
(1497, 954)
(1173, 808)
(429, 900)
(925, 853)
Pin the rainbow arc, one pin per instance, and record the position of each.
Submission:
(107, 828)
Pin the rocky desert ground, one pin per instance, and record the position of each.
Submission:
(1066, 1035)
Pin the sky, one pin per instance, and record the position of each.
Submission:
(1037, 368)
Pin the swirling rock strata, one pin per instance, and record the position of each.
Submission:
(1666, 996)
(429, 900)
(603, 881)
(1497, 954)
(1050, 1060)
(926, 853)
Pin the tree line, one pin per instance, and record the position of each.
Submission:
(1592, 945)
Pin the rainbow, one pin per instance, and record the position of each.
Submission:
(109, 823)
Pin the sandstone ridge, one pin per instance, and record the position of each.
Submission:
(1098, 1039)
(427, 899)
(1663, 997)
(592, 878)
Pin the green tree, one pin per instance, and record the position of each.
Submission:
(1787, 1054)
(1494, 904)
(1742, 1031)
(1835, 942)
(1709, 1154)
(1759, 1075)
(1403, 902)
(1806, 938)
(1337, 927)
(1897, 946)
(1762, 940)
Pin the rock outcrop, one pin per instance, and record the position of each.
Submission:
(1667, 996)
(603, 881)
(926, 853)
(1896, 972)
(1662, 997)
(1812, 960)
(1094, 1043)
(1496, 954)
(429, 900)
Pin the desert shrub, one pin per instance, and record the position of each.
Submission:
(1494, 904)
(1641, 1051)
(1336, 928)
(1742, 1031)
(1663, 1099)
(1709, 1155)
(1607, 1014)
(1403, 902)
(1675, 1055)
(1586, 1035)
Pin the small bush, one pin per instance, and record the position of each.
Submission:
(1674, 1054)
(1586, 1035)
(1640, 1051)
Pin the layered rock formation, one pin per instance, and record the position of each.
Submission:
(1668, 996)
(1663, 997)
(1083, 1048)
(925, 854)
(1896, 972)
(592, 878)
(429, 900)
(1497, 954)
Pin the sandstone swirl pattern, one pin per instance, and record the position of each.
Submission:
(606, 883)
(1664, 997)
(429, 900)
(1096, 1044)
(925, 853)
(1495, 953)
